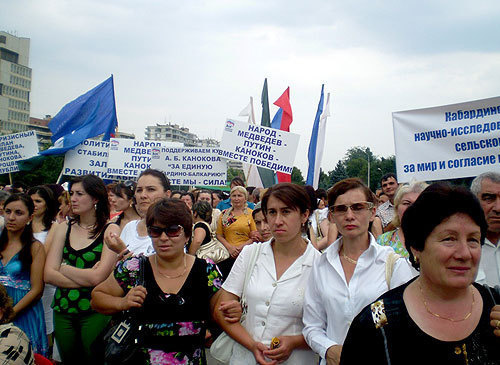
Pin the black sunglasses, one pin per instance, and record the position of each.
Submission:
(171, 231)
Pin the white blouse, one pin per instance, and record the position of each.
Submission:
(135, 243)
(274, 305)
(331, 304)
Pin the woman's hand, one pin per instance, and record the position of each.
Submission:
(233, 251)
(134, 298)
(231, 310)
(113, 240)
(283, 351)
(333, 355)
(495, 320)
(258, 352)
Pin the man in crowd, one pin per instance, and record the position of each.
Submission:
(487, 189)
(386, 211)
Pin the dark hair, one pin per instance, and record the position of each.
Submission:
(343, 186)
(127, 188)
(6, 306)
(321, 194)
(169, 212)
(173, 192)
(27, 238)
(205, 192)
(435, 204)
(188, 193)
(218, 193)
(95, 187)
(256, 210)
(165, 182)
(18, 185)
(237, 181)
(294, 196)
(204, 210)
(312, 197)
(388, 176)
(250, 189)
(51, 203)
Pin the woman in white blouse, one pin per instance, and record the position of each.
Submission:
(351, 273)
(276, 287)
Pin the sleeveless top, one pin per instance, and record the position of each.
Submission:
(77, 300)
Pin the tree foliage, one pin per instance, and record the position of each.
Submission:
(297, 177)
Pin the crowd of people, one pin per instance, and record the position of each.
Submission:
(407, 274)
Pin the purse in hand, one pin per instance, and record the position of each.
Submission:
(123, 340)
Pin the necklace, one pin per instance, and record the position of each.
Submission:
(86, 227)
(168, 276)
(349, 259)
(441, 317)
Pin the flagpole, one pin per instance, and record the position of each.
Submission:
(60, 177)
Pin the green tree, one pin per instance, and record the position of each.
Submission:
(338, 173)
(297, 177)
(232, 173)
(324, 180)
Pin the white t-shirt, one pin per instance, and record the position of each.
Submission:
(135, 243)
(490, 263)
(274, 306)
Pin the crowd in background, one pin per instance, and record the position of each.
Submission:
(293, 274)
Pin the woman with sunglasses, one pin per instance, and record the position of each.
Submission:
(77, 261)
(121, 199)
(352, 272)
(175, 304)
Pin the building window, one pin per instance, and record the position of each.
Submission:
(3, 39)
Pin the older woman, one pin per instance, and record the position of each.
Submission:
(405, 196)
(236, 227)
(275, 289)
(442, 312)
(178, 292)
(350, 274)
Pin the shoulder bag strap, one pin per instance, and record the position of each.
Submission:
(250, 267)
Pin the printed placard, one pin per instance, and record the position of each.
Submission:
(261, 146)
(16, 147)
(200, 166)
(447, 142)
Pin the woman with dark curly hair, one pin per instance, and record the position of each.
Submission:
(78, 260)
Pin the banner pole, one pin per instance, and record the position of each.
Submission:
(60, 177)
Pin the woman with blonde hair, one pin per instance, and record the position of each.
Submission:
(236, 227)
(404, 198)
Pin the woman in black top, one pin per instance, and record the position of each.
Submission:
(442, 316)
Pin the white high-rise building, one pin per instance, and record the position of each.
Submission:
(15, 83)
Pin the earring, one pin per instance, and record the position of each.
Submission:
(417, 260)
(95, 206)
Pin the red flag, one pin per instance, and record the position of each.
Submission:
(284, 103)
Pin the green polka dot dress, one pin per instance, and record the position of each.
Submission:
(77, 300)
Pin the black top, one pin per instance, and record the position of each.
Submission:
(408, 344)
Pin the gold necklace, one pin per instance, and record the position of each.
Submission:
(355, 262)
(168, 276)
(441, 317)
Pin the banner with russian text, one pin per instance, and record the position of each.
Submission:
(89, 157)
(447, 142)
(258, 145)
(200, 166)
(16, 147)
(129, 157)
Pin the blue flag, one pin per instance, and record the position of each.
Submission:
(89, 115)
(314, 142)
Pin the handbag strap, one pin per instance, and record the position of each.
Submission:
(251, 265)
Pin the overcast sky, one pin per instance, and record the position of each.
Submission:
(196, 63)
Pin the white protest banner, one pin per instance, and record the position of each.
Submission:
(15, 147)
(447, 142)
(190, 165)
(260, 146)
(129, 157)
(89, 157)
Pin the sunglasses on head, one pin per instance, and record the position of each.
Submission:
(171, 231)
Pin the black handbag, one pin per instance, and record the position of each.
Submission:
(123, 340)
